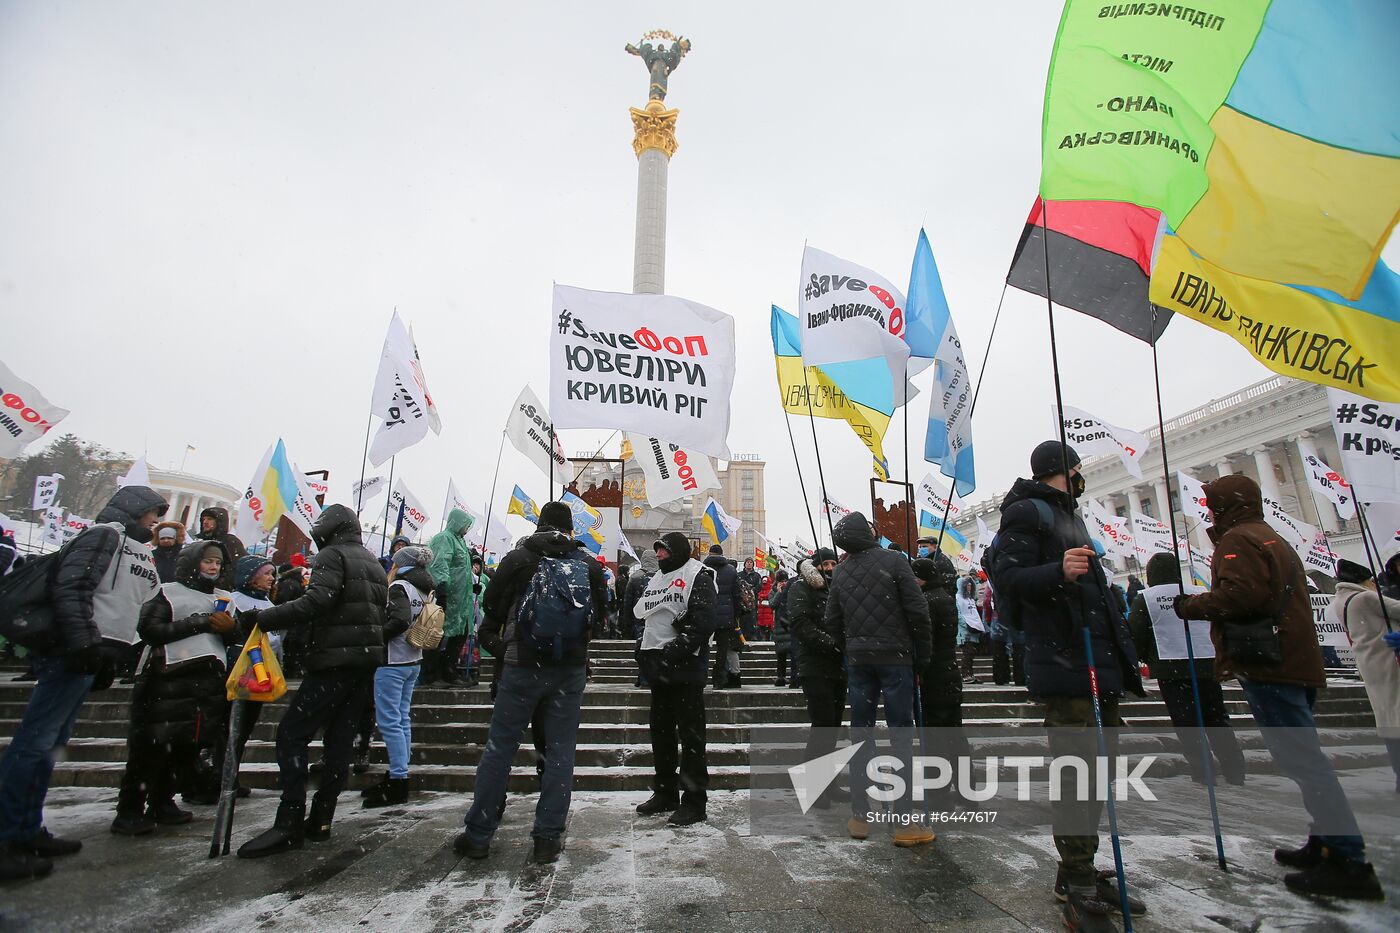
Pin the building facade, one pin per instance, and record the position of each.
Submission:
(741, 495)
(189, 494)
(1255, 431)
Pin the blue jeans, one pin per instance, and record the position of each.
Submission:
(868, 683)
(1284, 715)
(521, 690)
(393, 710)
(28, 762)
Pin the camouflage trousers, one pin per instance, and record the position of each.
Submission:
(1070, 723)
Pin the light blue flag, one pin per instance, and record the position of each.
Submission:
(948, 441)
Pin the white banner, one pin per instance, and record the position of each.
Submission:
(73, 526)
(835, 510)
(320, 488)
(984, 541)
(671, 471)
(1192, 493)
(1167, 627)
(1322, 478)
(1111, 530)
(655, 365)
(1090, 436)
(363, 492)
(53, 526)
(933, 494)
(138, 475)
(1302, 537)
(455, 500)
(530, 431)
(848, 312)
(401, 399)
(1150, 536)
(415, 516)
(46, 490)
(1368, 437)
(1331, 633)
(25, 415)
(1320, 555)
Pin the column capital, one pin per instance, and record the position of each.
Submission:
(654, 128)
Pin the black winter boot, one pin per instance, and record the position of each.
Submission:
(318, 823)
(166, 813)
(377, 785)
(1087, 913)
(392, 792)
(659, 802)
(689, 812)
(1335, 877)
(129, 823)
(19, 863)
(47, 845)
(1305, 857)
(547, 850)
(286, 833)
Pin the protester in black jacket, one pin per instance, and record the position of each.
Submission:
(177, 706)
(532, 676)
(99, 586)
(344, 605)
(940, 680)
(169, 542)
(875, 599)
(1048, 573)
(214, 526)
(678, 620)
(729, 616)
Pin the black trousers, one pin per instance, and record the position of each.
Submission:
(826, 709)
(153, 772)
(1181, 706)
(678, 716)
(332, 700)
(247, 722)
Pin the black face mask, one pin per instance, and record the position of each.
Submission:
(1076, 485)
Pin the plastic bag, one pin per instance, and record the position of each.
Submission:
(256, 675)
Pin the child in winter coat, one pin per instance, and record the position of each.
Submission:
(177, 704)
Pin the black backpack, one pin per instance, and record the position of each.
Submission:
(26, 612)
(556, 613)
(1009, 610)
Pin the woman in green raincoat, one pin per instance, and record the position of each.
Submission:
(452, 569)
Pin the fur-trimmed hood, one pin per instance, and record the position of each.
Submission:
(810, 574)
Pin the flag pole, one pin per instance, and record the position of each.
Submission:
(801, 484)
(1095, 572)
(1317, 510)
(1373, 557)
(589, 461)
(491, 502)
(384, 534)
(1185, 625)
(821, 475)
(364, 458)
(972, 407)
(553, 441)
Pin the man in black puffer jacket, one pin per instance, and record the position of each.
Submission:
(875, 599)
(729, 615)
(344, 605)
(821, 644)
(533, 679)
(940, 680)
(1044, 567)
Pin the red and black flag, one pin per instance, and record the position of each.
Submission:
(1100, 256)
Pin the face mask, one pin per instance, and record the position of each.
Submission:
(208, 576)
(1076, 485)
(923, 551)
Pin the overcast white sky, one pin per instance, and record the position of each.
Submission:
(211, 209)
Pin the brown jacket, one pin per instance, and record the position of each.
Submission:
(1249, 570)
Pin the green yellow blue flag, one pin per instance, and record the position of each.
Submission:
(857, 392)
(1266, 132)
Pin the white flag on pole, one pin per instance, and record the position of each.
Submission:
(401, 399)
(46, 490)
(138, 475)
(848, 312)
(1192, 493)
(73, 526)
(415, 515)
(934, 495)
(671, 471)
(655, 365)
(833, 509)
(53, 526)
(530, 431)
(1090, 436)
(1383, 521)
(363, 492)
(1322, 478)
(1368, 438)
(1150, 536)
(26, 415)
(1302, 537)
(984, 541)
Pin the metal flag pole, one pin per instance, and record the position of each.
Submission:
(364, 459)
(1373, 556)
(801, 484)
(491, 502)
(1186, 626)
(1088, 639)
(384, 535)
(821, 475)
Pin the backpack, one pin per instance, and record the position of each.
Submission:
(1009, 610)
(556, 613)
(748, 599)
(426, 631)
(26, 614)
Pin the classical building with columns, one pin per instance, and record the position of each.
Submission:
(189, 494)
(1255, 431)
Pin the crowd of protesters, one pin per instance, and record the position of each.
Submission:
(854, 627)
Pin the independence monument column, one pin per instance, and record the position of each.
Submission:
(654, 141)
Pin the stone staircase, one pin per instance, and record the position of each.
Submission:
(614, 752)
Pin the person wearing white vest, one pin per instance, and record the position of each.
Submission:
(177, 705)
(103, 577)
(677, 610)
(410, 584)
